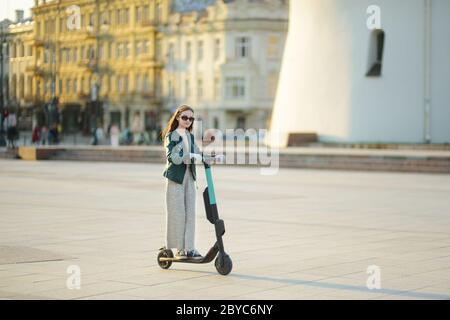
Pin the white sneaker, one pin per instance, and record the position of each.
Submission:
(181, 254)
(194, 254)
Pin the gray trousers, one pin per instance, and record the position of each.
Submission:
(180, 213)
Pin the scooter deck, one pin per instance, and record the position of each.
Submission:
(206, 259)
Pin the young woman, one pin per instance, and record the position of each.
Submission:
(181, 153)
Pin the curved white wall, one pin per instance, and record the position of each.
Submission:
(323, 87)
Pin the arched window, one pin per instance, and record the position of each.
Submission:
(21, 86)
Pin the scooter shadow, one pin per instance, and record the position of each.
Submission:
(325, 285)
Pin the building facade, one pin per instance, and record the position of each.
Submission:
(366, 71)
(20, 71)
(97, 58)
(223, 58)
(88, 63)
(4, 62)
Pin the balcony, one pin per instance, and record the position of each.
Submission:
(39, 42)
(35, 70)
(90, 33)
(87, 64)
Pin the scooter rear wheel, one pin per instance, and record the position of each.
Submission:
(223, 265)
(166, 253)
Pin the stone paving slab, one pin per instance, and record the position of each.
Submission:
(299, 234)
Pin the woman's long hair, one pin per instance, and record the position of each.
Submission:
(173, 122)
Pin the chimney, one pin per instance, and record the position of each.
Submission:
(19, 15)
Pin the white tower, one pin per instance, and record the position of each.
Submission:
(350, 80)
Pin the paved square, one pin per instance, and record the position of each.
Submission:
(299, 234)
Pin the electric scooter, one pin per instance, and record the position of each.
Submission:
(223, 261)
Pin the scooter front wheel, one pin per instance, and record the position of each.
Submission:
(165, 253)
(223, 264)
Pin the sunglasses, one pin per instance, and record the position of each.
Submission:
(186, 118)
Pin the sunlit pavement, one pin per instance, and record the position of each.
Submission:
(299, 234)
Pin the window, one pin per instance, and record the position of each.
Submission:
(127, 49)
(200, 88)
(240, 122)
(75, 88)
(157, 12)
(138, 48)
(272, 47)
(216, 49)
(119, 84)
(158, 85)
(119, 50)
(100, 51)
(118, 22)
(187, 88)
(46, 56)
(242, 47)
(47, 86)
(158, 49)
(68, 86)
(188, 51)
(12, 49)
(272, 80)
(126, 16)
(235, 87)
(91, 52)
(170, 54)
(138, 83)
(200, 50)
(91, 20)
(75, 55)
(125, 83)
(104, 17)
(145, 14)
(82, 87)
(376, 48)
(110, 45)
(146, 84)
(62, 25)
(138, 15)
(111, 17)
(216, 87)
(145, 46)
(170, 86)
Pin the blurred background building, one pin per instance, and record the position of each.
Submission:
(82, 64)
(21, 71)
(223, 58)
(348, 82)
